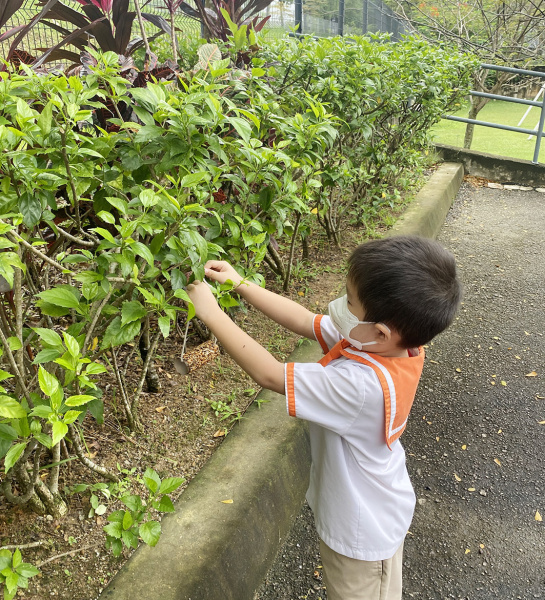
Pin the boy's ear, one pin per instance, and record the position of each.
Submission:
(383, 332)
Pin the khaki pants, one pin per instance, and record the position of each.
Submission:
(350, 579)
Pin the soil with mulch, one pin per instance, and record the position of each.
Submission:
(180, 432)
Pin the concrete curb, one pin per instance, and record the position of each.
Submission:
(497, 168)
(210, 550)
(428, 210)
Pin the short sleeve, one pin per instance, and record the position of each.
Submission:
(331, 396)
(325, 333)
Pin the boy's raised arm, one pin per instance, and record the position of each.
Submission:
(284, 311)
(258, 362)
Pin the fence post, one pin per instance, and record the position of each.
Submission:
(365, 16)
(340, 29)
(299, 16)
(539, 132)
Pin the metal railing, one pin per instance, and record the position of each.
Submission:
(537, 132)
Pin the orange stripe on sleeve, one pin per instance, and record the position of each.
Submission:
(318, 333)
(290, 388)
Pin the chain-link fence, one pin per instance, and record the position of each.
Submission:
(42, 36)
(314, 17)
(324, 18)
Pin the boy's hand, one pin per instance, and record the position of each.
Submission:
(203, 299)
(221, 271)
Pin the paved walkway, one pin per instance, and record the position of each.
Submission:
(475, 444)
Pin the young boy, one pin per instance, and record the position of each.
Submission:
(401, 292)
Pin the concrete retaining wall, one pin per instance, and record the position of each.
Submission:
(496, 168)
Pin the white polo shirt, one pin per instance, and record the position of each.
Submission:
(360, 492)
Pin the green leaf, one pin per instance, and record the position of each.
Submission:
(132, 502)
(96, 408)
(151, 480)
(143, 251)
(56, 398)
(59, 430)
(105, 234)
(30, 206)
(51, 310)
(17, 559)
(44, 440)
(78, 400)
(27, 570)
(14, 343)
(45, 119)
(61, 297)
(114, 529)
(48, 383)
(150, 532)
(127, 520)
(164, 325)
(11, 409)
(50, 337)
(192, 179)
(46, 355)
(11, 585)
(7, 433)
(70, 416)
(244, 129)
(129, 539)
(41, 411)
(95, 369)
(182, 294)
(165, 505)
(116, 334)
(5, 559)
(13, 455)
(5, 375)
(148, 198)
(170, 484)
(71, 344)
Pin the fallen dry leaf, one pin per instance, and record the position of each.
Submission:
(302, 294)
(497, 461)
(504, 383)
(532, 374)
(458, 370)
(538, 516)
(457, 477)
(470, 489)
(481, 546)
(437, 439)
(219, 433)
(467, 551)
(464, 447)
(541, 422)
(226, 501)
(160, 408)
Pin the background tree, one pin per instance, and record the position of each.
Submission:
(508, 32)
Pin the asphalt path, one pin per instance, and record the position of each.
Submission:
(475, 441)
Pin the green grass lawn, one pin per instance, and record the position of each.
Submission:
(494, 141)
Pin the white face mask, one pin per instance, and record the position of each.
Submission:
(344, 321)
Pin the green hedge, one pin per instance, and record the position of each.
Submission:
(102, 226)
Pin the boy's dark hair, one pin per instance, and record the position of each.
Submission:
(408, 283)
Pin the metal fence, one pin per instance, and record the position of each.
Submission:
(538, 131)
(322, 18)
(41, 36)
